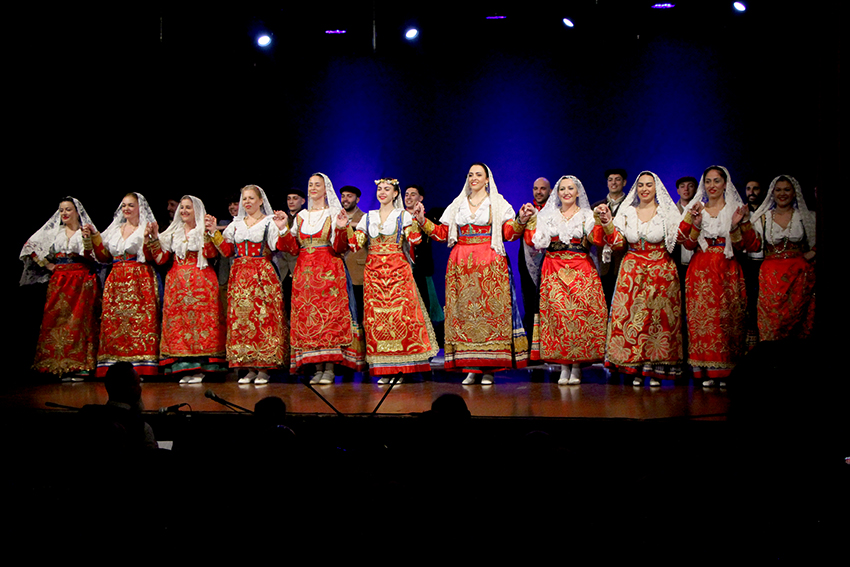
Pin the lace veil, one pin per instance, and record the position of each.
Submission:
(666, 208)
(733, 202)
(196, 235)
(41, 242)
(498, 207)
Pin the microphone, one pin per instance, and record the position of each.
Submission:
(169, 409)
(230, 405)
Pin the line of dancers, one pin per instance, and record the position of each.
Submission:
(196, 331)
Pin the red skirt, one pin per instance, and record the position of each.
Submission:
(399, 338)
(717, 310)
(129, 329)
(786, 305)
(573, 314)
(191, 315)
(256, 328)
(645, 328)
(69, 328)
(480, 331)
(323, 329)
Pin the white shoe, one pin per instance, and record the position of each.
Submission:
(487, 379)
(327, 377)
(383, 380)
(184, 380)
(316, 377)
(470, 379)
(248, 378)
(196, 379)
(397, 380)
(637, 381)
(565, 375)
(262, 378)
(722, 384)
(654, 382)
(575, 375)
(708, 383)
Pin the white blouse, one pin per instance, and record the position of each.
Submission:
(635, 230)
(772, 233)
(387, 228)
(482, 215)
(64, 245)
(238, 231)
(134, 244)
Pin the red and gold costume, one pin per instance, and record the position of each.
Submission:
(129, 330)
(786, 304)
(571, 325)
(483, 328)
(193, 333)
(256, 327)
(716, 295)
(645, 329)
(323, 327)
(399, 337)
(67, 342)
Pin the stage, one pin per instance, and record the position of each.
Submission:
(516, 394)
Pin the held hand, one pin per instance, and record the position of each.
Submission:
(50, 267)
(809, 256)
(341, 220)
(419, 213)
(152, 230)
(210, 223)
(280, 220)
(604, 213)
(696, 215)
(88, 231)
(526, 212)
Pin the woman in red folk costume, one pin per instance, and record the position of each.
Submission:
(645, 328)
(786, 305)
(571, 328)
(714, 226)
(399, 337)
(192, 334)
(67, 343)
(256, 328)
(129, 329)
(484, 332)
(324, 328)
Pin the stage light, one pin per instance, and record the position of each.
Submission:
(663, 6)
(411, 34)
(334, 31)
(740, 6)
(496, 17)
(264, 40)
(568, 22)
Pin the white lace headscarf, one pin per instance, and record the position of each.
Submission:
(667, 209)
(266, 207)
(498, 208)
(732, 202)
(118, 220)
(331, 200)
(550, 216)
(806, 217)
(195, 236)
(41, 242)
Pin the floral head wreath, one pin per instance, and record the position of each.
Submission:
(397, 202)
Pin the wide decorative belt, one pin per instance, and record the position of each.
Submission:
(124, 258)
(783, 250)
